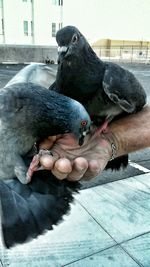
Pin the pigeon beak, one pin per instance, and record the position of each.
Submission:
(62, 50)
(81, 138)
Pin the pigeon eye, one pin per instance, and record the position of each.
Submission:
(74, 38)
(83, 123)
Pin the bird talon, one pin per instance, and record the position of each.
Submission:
(103, 128)
(45, 152)
(34, 165)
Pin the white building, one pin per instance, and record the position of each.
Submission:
(30, 21)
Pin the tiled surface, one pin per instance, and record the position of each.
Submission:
(121, 207)
(139, 248)
(111, 176)
(140, 155)
(113, 257)
(108, 226)
(78, 236)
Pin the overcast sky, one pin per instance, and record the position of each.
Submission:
(116, 19)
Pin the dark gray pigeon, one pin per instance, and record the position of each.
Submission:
(104, 88)
(29, 113)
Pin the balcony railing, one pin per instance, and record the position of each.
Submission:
(124, 54)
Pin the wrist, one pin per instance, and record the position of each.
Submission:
(110, 138)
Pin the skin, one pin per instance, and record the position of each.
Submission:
(70, 161)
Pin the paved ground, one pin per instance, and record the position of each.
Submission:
(142, 158)
(108, 226)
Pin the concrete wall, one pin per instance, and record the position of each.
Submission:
(26, 53)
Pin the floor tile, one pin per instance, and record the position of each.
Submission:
(113, 257)
(139, 248)
(109, 176)
(78, 236)
(121, 207)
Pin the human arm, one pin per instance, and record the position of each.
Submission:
(132, 133)
(129, 134)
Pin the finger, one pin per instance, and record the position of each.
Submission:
(94, 169)
(62, 168)
(48, 161)
(80, 166)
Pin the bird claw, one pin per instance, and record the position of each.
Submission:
(45, 152)
(34, 165)
(103, 128)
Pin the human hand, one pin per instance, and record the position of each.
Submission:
(73, 162)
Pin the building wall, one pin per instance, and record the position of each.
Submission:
(110, 43)
(27, 53)
(44, 15)
(40, 13)
(122, 48)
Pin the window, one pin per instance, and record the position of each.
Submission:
(31, 28)
(25, 27)
(1, 3)
(2, 27)
(60, 25)
(57, 2)
(53, 29)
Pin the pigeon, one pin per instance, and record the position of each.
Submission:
(29, 113)
(106, 90)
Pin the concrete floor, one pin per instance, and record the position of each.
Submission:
(108, 226)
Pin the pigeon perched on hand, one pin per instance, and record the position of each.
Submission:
(29, 113)
(105, 89)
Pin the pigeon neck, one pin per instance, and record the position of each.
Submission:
(82, 77)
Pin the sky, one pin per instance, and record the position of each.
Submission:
(114, 19)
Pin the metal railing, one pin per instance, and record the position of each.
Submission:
(124, 54)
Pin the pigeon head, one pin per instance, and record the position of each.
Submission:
(35, 111)
(60, 114)
(70, 43)
(78, 65)
(68, 116)
(80, 124)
